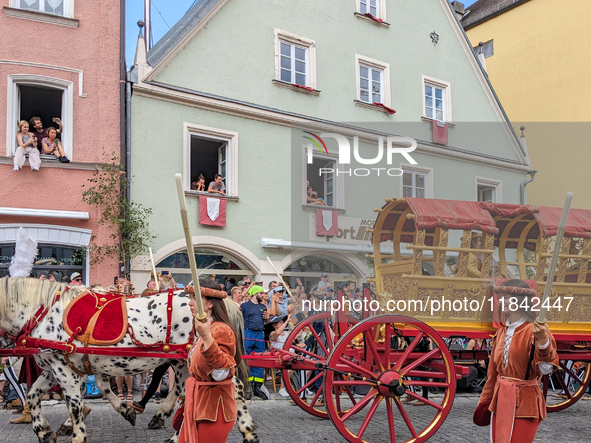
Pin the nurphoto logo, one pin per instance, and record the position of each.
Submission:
(394, 145)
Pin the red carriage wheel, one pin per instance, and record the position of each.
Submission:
(567, 385)
(381, 374)
(322, 330)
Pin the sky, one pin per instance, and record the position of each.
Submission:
(165, 13)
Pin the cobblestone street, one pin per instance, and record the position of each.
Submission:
(280, 422)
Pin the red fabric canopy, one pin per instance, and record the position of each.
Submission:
(578, 223)
(508, 210)
(451, 214)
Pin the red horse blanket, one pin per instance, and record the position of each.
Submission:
(97, 319)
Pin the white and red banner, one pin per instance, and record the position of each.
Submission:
(327, 222)
(440, 132)
(212, 211)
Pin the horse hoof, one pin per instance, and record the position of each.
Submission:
(129, 415)
(254, 439)
(49, 438)
(65, 430)
(156, 423)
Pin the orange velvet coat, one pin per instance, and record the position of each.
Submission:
(530, 401)
(205, 399)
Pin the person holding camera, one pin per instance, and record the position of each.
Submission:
(27, 144)
(165, 280)
(40, 132)
(52, 145)
(313, 197)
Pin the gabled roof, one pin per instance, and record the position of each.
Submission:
(180, 30)
(484, 10)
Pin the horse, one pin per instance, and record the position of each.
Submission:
(21, 298)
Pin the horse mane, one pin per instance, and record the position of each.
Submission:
(238, 322)
(32, 292)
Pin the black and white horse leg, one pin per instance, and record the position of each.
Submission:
(71, 385)
(167, 406)
(67, 427)
(244, 420)
(104, 386)
(40, 425)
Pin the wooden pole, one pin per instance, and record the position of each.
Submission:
(557, 247)
(154, 270)
(201, 316)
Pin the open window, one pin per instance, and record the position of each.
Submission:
(488, 190)
(209, 151)
(321, 182)
(208, 158)
(44, 97)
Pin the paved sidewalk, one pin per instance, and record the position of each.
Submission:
(279, 422)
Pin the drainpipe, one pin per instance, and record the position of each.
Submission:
(122, 77)
(523, 184)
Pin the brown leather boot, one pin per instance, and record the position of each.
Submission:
(24, 418)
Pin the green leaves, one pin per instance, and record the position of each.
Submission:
(126, 221)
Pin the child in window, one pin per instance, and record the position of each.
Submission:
(199, 185)
(52, 145)
(27, 144)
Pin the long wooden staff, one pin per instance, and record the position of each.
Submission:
(201, 316)
(154, 269)
(557, 247)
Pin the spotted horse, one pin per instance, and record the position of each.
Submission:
(158, 329)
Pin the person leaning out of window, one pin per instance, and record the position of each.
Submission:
(27, 144)
(217, 186)
(52, 145)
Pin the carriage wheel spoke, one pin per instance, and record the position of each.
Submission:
(572, 374)
(316, 396)
(419, 361)
(564, 387)
(408, 350)
(405, 417)
(545, 384)
(371, 344)
(390, 413)
(358, 368)
(431, 384)
(308, 353)
(353, 383)
(359, 406)
(370, 414)
(310, 383)
(318, 340)
(387, 346)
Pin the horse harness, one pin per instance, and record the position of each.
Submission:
(162, 349)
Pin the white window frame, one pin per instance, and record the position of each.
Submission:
(68, 8)
(13, 109)
(293, 39)
(446, 86)
(378, 65)
(231, 140)
(339, 183)
(381, 6)
(428, 172)
(292, 58)
(491, 183)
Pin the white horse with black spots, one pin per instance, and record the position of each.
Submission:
(20, 298)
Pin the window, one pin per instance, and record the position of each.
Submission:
(58, 260)
(373, 80)
(414, 184)
(370, 84)
(321, 183)
(436, 99)
(295, 60)
(294, 63)
(375, 8)
(210, 151)
(416, 181)
(487, 49)
(39, 96)
(369, 6)
(64, 8)
(488, 190)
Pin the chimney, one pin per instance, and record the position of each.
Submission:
(458, 9)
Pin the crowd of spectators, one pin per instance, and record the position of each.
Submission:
(38, 141)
